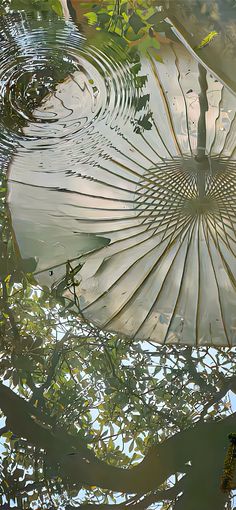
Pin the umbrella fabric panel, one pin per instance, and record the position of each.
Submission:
(164, 200)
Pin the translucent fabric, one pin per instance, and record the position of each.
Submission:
(163, 198)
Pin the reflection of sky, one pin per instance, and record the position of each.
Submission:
(232, 398)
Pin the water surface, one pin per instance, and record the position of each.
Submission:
(118, 256)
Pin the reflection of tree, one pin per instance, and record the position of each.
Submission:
(85, 409)
(89, 415)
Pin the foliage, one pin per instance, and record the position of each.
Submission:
(138, 23)
(138, 27)
(229, 465)
(89, 418)
(70, 392)
(28, 5)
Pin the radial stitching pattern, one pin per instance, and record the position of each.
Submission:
(165, 200)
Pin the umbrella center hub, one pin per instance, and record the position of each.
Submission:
(201, 205)
(187, 188)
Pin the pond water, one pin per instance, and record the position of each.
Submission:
(117, 254)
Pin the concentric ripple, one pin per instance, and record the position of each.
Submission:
(164, 199)
(36, 63)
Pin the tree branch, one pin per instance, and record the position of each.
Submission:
(56, 355)
(137, 503)
(199, 445)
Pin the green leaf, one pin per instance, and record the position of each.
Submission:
(163, 26)
(63, 285)
(136, 23)
(144, 123)
(3, 269)
(142, 101)
(131, 446)
(56, 7)
(19, 4)
(206, 40)
(23, 363)
(156, 55)
(91, 17)
(110, 444)
(103, 18)
(155, 18)
(7, 435)
(28, 265)
(147, 43)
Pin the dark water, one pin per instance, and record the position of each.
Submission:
(117, 311)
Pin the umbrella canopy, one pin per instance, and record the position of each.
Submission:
(164, 198)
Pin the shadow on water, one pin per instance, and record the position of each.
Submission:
(117, 266)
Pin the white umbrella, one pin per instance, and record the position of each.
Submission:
(164, 199)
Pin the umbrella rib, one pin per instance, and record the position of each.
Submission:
(169, 245)
(136, 148)
(165, 103)
(163, 283)
(227, 136)
(213, 223)
(217, 245)
(181, 282)
(149, 145)
(163, 142)
(217, 284)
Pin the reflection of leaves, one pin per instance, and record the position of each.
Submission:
(86, 243)
(103, 18)
(142, 102)
(28, 265)
(56, 7)
(95, 384)
(206, 40)
(155, 18)
(148, 42)
(155, 55)
(136, 22)
(91, 17)
(144, 123)
(23, 363)
(3, 268)
(40, 5)
(130, 22)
